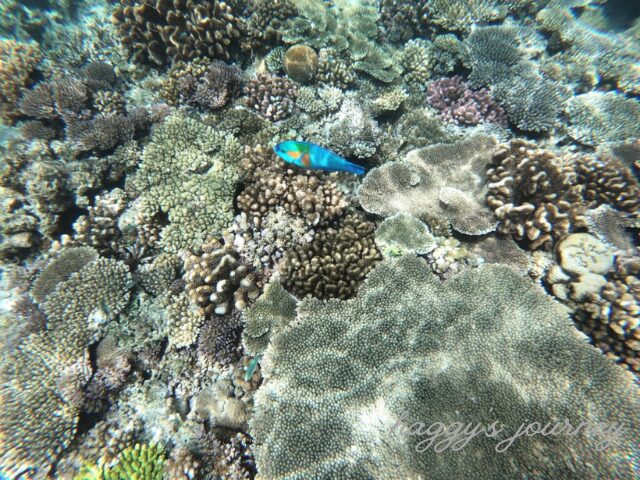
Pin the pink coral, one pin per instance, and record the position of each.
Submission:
(459, 104)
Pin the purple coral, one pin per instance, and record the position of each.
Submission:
(461, 105)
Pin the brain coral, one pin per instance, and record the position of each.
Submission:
(188, 172)
(442, 182)
(344, 380)
(157, 33)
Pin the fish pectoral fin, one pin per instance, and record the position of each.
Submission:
(306, 160)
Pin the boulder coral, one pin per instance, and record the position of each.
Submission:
(365, 388)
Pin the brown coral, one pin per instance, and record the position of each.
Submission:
(301, 63)
(272, 97)
(534, 194)
(157, 33)
(217, 280)
(272, 183)
(608, 181)
(335, 263)
(18, 65)
(266, 21)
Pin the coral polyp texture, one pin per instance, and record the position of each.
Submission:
(535, 194)
(347, 382)
(441, 184)
(157, 33)
(271, 97)
(18, 70)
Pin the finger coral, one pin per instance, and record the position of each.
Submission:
(350, 385)
(157, 33)
(442, 183)
(534, 194)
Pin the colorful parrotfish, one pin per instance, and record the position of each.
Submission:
(314, 157)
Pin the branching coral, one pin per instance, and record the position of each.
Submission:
(441, 184)
(461, 15)
(334, 263)
(158, 32)
(400, 20)
(18, 64)
(266, 21)
(459, 104)
(272, 97)
(273, 184)
(346, 380)
(352, 132)
(216, 279)
(188, 171)
(534, 194)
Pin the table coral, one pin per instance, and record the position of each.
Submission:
(442, 183)
(157, 33)
(344, 380)
(534, 194)
(188, 171)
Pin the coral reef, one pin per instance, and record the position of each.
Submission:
(216, 280)
(188, 167)
(274, 184)
(534, 194)
(458, 104)
(334, 263)
(598, 117)
(352, 132)
(401, 21)
(442, 183)
(156, 33)
(18, 68)
(271, 97)
(301, 63)
(401, 234)
(327, 407)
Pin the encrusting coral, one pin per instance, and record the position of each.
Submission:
(346, 382)
(441, 184)
(158, 32)
(534, 194)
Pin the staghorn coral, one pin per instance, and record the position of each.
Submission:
(334, 263)
(272, 97)
(608, 181)
(438, 184)
(156, 33)
(345, 380)
(187, 167)
(303, 194)
(458, 104)
(217, 281)
(598, 117)
(534, 194)
(301, 63)
(18, 67)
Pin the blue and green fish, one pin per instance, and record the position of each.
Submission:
(314, 157)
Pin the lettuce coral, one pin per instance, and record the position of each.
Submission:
(344, 380)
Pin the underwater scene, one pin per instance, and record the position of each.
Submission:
(319, 239)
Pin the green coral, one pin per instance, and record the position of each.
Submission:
(189, 172)
(140, 462)
(485, 346)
